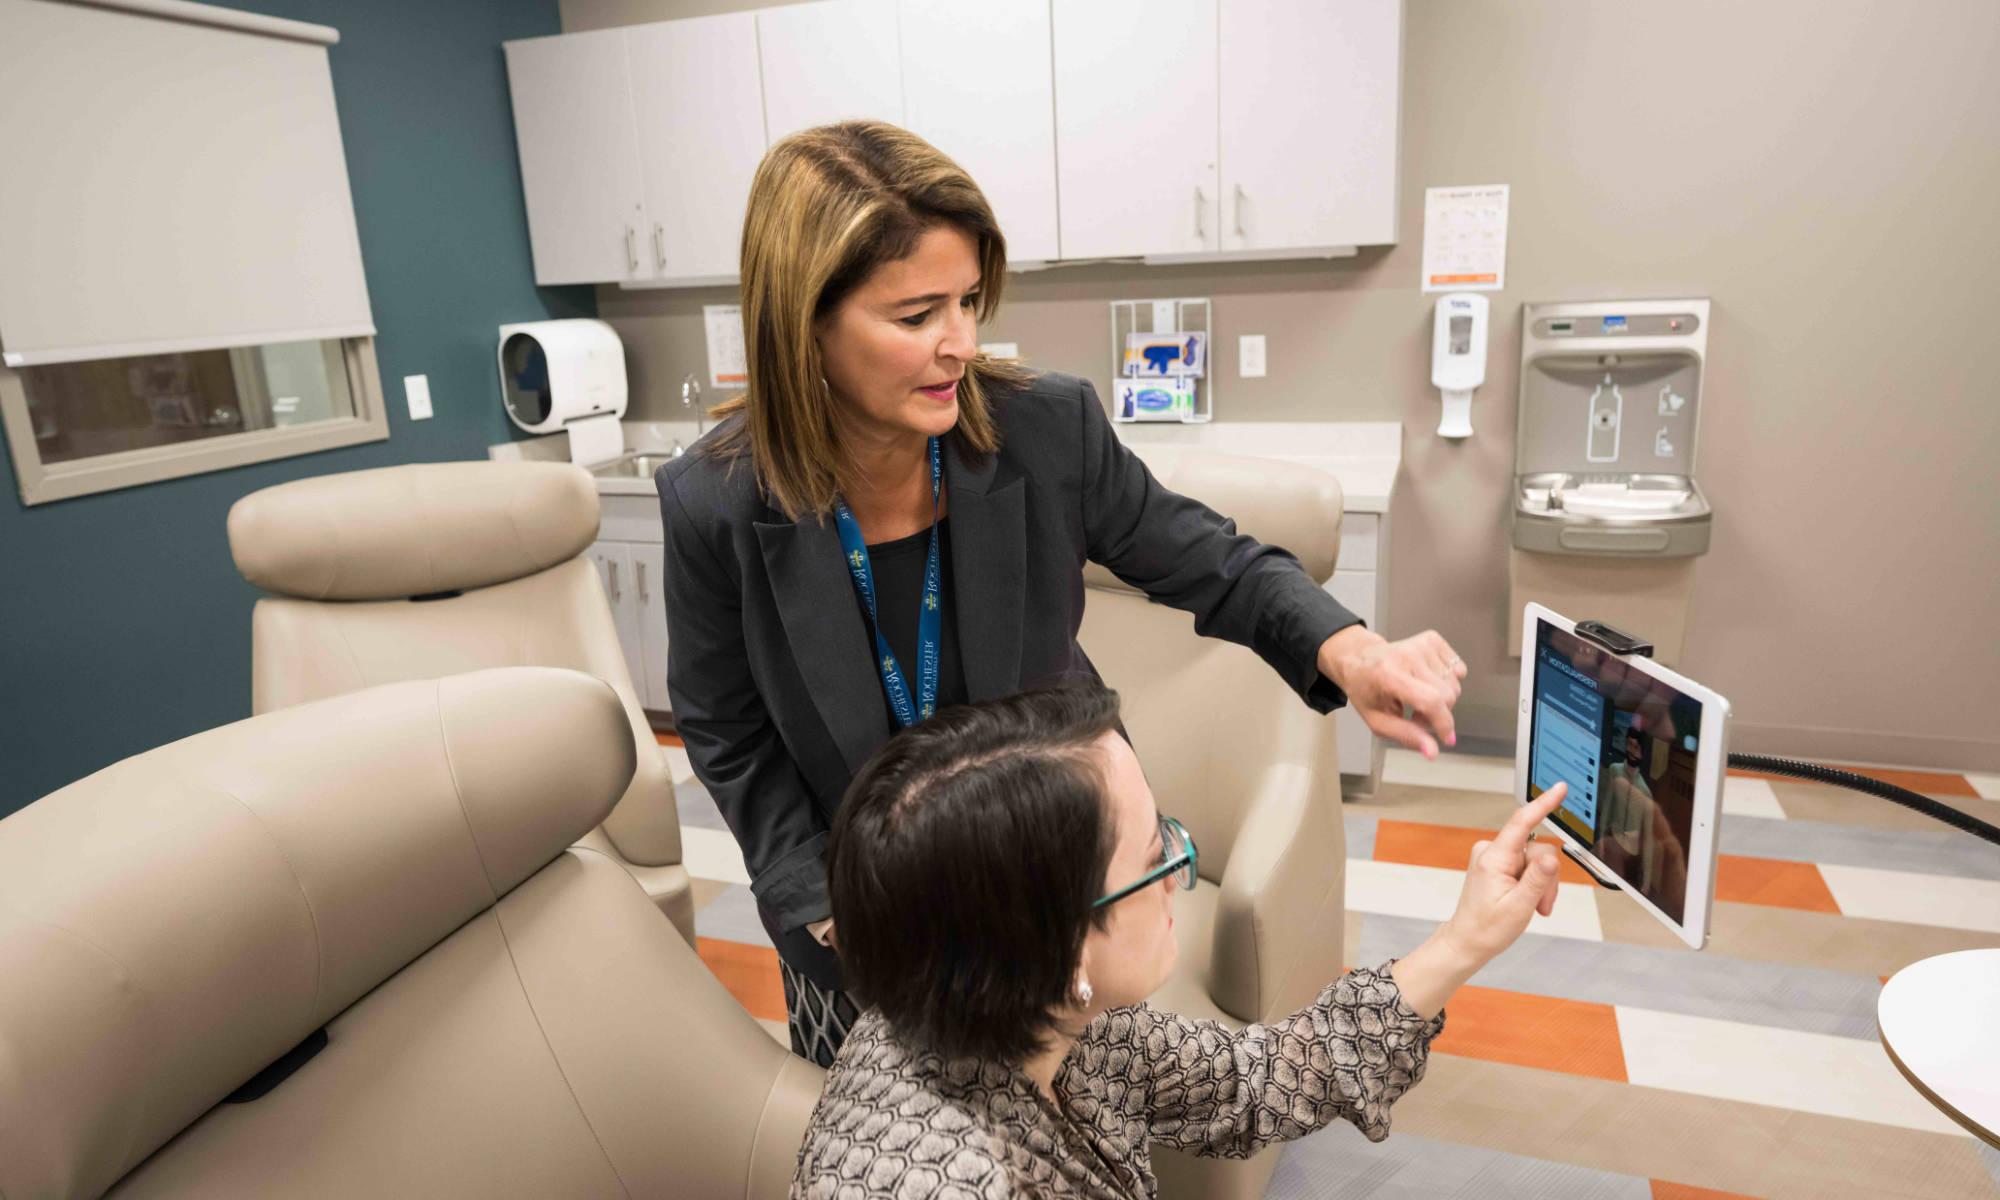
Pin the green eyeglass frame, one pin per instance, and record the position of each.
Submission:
(1177, 854)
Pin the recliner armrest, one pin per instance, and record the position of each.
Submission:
(1278, 919)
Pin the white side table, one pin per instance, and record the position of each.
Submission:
(1940, 1022)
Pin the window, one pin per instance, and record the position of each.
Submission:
(82, 427)
(184, 287)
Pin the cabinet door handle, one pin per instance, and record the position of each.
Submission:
(1239, 211)
(614, 580)
(659, 246)
(631, 249)
(640, 568)
(1200, 204)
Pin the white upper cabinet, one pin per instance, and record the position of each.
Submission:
(1158, 129)
(1309, 92)
(573, 121)
(700, 135)
(829, 61)
(1136, 127)
(998, 125)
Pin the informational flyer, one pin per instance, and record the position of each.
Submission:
(727, 367)
(1465, 238)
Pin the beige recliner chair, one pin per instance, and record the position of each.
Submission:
(1250, 770)
(421, 571)
(504, 1013)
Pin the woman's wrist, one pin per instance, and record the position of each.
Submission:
(1428, 975)
(1337, 652)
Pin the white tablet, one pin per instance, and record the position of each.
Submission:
(1643, 750)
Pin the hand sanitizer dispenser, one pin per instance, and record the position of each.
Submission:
(1458, 358)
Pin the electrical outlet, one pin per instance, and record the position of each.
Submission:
(417, 390)
(1250, 356)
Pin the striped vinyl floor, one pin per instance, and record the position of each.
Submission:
(1599, 1057)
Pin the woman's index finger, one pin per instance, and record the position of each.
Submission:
(1521, 826)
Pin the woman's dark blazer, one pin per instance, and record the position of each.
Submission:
(770, 666)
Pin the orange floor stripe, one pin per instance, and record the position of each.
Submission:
(667, 739)
(1741, 879)
(1929, 783)
(1571, 1036)
(1662, 1190)
(1417, 844)
(1773, 883)
(749, 972)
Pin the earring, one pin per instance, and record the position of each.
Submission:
(1083, 993)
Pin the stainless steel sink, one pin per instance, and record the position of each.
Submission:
(632, 466)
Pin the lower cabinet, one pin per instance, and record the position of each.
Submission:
(632, 573)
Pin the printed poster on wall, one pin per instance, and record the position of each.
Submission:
(1465, 238)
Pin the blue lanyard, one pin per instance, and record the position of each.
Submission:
(929, 617)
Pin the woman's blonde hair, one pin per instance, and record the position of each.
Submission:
(828, 206)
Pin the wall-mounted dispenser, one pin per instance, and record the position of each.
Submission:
(1458, 358)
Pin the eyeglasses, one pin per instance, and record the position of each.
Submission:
(1177, 858)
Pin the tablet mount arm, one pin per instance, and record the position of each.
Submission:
(1619, 642)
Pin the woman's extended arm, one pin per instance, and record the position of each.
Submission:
(1348, 1055)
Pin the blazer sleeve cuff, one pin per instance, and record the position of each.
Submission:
(1301, 634)
(793, 888)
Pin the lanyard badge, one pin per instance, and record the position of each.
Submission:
(930, 619)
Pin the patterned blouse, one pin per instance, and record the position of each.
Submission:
(901, 1124)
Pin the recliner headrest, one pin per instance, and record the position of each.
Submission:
(172, 924)
(1279, 503)
(413, 530)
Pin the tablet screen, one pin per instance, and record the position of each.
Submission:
(1626, 744)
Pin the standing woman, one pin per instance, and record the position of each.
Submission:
(889, 522)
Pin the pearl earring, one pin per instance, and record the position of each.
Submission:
(1083, 993)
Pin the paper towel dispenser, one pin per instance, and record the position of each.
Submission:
(566, 377)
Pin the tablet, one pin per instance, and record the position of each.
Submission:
(1643, 750)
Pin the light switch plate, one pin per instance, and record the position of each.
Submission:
(1250, 356)
(417, 390)
(1001, 349)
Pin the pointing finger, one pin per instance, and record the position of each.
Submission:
(1513, 836)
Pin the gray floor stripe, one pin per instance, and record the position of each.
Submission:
(1340, 1164)
(732, 916)
(1360, 836)
(1944, 852)
(1666, 980)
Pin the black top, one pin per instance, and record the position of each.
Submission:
(899, 594)
(770, 663)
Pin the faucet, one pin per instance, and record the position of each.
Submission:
(691, 398)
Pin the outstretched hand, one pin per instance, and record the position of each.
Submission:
(1381, 678)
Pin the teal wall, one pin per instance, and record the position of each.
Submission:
(123, 623)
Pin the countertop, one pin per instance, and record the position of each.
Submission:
(1363, 455)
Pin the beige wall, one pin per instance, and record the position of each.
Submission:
(1826, 172)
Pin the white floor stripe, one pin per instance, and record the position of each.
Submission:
(1784, 1068)
(713, 854)
(1431, 894)
(1986, 785)
(1749, 798)
(1465, 772)
(1917, 899)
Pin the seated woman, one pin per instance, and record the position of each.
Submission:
(1003, 885)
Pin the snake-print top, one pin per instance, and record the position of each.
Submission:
(896, 1123)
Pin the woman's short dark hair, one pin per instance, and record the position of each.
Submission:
(965, 861)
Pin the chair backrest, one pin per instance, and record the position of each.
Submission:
(502, 1016)
(1207, 715)
(431, 569)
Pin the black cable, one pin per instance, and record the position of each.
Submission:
(1874, 787)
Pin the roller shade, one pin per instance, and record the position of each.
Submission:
(174, 181)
